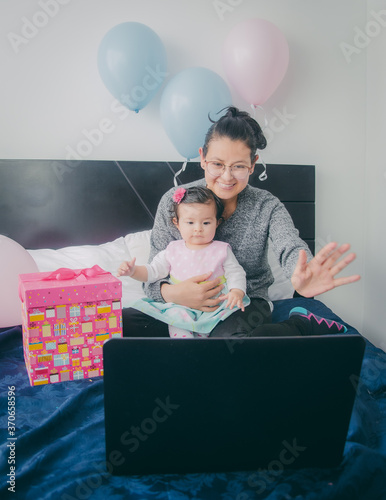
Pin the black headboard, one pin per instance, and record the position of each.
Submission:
(57, 203)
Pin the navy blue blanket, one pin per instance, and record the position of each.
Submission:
(58, 448)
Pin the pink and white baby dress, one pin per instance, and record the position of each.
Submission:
(181, 263)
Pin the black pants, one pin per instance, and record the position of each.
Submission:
(255, 321)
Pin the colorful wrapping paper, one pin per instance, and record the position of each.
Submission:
(67, 316)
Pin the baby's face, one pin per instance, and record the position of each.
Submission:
(197, 223)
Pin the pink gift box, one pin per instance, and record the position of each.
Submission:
(67, 316)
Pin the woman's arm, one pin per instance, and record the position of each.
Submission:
(285, 239)
(310, 276)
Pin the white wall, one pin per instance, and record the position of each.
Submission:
(51, 91)
(375, 181)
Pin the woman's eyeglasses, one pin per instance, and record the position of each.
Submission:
(216, 168)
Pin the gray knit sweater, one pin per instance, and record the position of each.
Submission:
(259, 215)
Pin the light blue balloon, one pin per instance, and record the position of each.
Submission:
(185, 104)
(132, 64)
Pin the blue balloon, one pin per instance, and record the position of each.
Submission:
(185, 104)
(132, 64)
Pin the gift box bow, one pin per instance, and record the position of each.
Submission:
(64, 273)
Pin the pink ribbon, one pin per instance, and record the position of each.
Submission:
(68, 274)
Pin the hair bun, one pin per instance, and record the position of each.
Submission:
(237, 125)
(261, 141)
(232, 112)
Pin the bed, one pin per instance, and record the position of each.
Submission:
(79, 213)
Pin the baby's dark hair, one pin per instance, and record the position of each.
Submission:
(238, 126)
(196, 194)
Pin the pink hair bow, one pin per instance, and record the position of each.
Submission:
(178, 195)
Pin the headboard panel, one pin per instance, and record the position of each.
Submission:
(57, 203)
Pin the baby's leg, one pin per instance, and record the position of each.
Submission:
(179, 333)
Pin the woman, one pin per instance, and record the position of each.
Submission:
(251, 216)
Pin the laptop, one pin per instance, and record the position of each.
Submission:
(211, 405)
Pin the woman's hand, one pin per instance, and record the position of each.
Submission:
(318, 275)
(194, 293)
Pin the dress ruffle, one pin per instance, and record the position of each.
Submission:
(185, 317)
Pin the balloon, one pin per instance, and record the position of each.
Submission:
(186, 102)
(14, 260)
(132, 64)
(255, 59)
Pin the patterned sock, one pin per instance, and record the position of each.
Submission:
(179, 333)
(318, 325)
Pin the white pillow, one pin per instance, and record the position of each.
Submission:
(138, 244)
(110, 255)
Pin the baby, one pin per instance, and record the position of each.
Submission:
(197, 212)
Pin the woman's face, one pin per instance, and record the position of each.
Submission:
(230, 153)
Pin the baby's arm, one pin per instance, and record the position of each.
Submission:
(157, 269)
(235, 298)
(138, 273)
(236, 281)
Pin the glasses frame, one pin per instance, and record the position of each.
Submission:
(224, 167)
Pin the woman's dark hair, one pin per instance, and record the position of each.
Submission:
(198, 194)
(238, 126)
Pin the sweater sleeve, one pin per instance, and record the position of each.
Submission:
(285, 239)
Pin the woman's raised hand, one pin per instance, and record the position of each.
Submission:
(318, 275)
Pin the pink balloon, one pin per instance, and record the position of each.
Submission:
(14, 260)
(255, 59)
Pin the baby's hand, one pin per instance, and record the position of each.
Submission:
(126, 268)
(234, 298)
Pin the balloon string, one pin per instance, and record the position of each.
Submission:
(263, 176)
(254, 107)
(182, 169)
(254, 111)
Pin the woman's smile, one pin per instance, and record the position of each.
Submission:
(221, 185)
